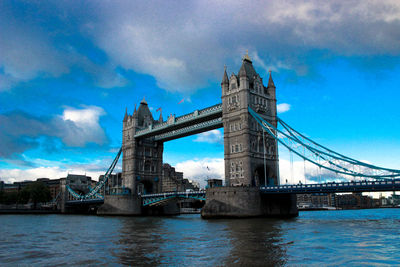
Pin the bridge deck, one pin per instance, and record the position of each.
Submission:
(346, 187)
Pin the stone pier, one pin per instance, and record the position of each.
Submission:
(242, 202)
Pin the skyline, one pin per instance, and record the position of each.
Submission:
(69, 70)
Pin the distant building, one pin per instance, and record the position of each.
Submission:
(171, 181)
(52, 184)
(113, 184)
(214, 183)
(79, 183)
(316, 200)
(354, 201)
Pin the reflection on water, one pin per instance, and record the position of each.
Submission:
(188, 240)
(321, 237)
(254, 242)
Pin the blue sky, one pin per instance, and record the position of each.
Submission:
(68, 70)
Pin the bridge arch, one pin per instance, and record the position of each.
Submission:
(259, 177)
(146, 187)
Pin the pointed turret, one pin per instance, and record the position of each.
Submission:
(225, 79)
(143, 114)
(126, 115)
(270, 81)
(247, 68)
(242, 71)
(160, 119)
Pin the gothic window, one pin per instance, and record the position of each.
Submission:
(232, 149)
(240, 126)
(240, 147)
(236, 148)
(147, 166)
(141, 165)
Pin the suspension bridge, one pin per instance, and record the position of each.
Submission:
(252, 133)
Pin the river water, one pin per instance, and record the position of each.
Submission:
(349, 237)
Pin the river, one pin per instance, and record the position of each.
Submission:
(346, 237)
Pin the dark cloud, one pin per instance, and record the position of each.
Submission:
(184, 45)
(20, 131)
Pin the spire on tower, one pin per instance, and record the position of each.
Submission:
(246, 57)
(270, 81)
(225, 79)
(160, 119)
(126, 115)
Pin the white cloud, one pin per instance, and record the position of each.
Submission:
(200, 170)
(213, 136)
(81, 126)
(283, 107)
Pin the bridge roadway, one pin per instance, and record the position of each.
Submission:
(156, 199)
(147, 199)
(342, 187)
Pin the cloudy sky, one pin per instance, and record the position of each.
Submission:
(68, 70)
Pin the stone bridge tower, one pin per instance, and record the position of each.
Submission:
(243, 137)
(142, 158)
(244, 150)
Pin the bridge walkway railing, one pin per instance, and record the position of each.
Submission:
(341, 187)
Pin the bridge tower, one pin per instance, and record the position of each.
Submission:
(142, 158)
(141, 164)
(251, 159)
(244, 144)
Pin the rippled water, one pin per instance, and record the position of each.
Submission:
(351, 237)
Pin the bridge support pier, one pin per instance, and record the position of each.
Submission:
(241, 202)
(120, 205)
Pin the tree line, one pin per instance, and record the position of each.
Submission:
(35, 192)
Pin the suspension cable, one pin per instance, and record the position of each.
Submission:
(93, 192)
(317, 153)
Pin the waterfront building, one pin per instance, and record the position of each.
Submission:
(354, 201)
(171, 179)
(316, 200)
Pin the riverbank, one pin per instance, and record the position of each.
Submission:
(28, 211)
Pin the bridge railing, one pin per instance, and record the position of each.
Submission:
(357, 186)
(174, 193)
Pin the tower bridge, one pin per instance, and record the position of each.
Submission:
(248, 116)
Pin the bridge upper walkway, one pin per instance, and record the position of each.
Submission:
(196, 122)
